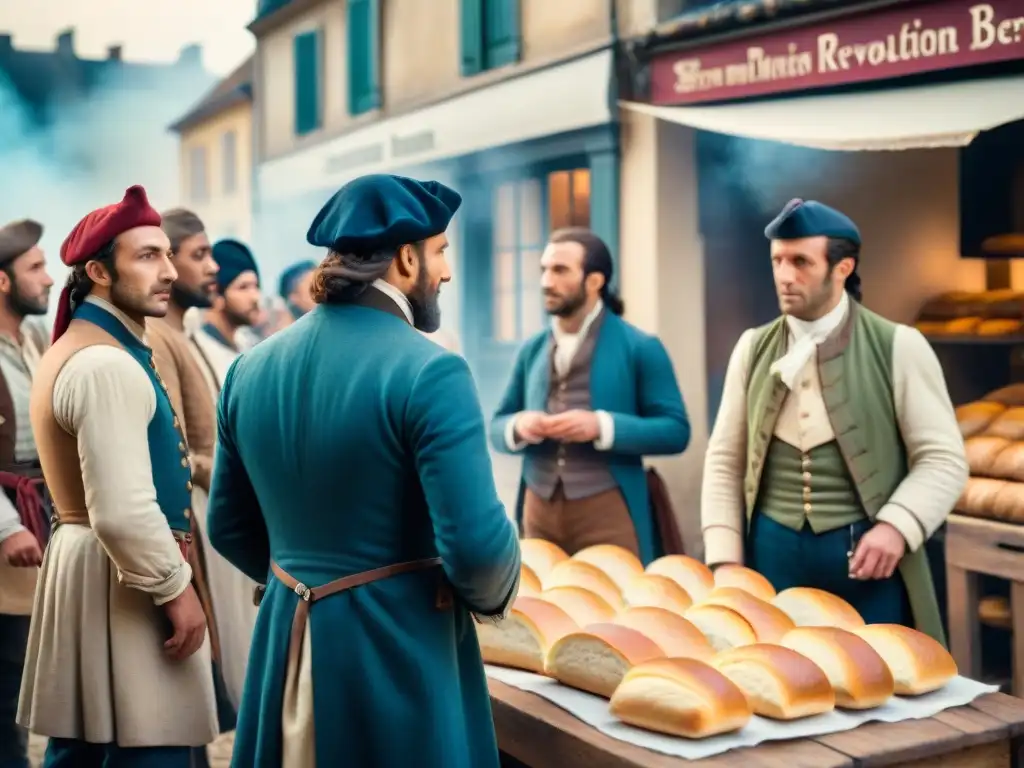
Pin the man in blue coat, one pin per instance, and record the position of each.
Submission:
(352, 476)
(587, 401)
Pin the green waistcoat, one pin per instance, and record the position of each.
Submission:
(855, 368)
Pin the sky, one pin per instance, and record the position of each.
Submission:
(148, 30)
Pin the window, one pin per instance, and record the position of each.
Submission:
(490, 34)
(525, 212)
(229, 160)
(307, 82)
(198, 184)
(363, 56)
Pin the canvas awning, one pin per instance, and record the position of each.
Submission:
(945, 115)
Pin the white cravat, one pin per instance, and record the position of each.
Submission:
(806, 335)
(566, 343)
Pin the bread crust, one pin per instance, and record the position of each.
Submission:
(779, 682)
(618, 562)
(770, 624)
(541, 556)
(919, 664)
(859, 676)
(807, 606)
(576, 573)
(649, 589)
(595, 659)
(724, 627)
(689, 573)
(747, 579)
(585, 607)
(676, 636)
(523, 639)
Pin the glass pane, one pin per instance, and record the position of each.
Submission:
(581, 197)
(504, 271)
(531, 227)
(505, 216)
(505, 316)
(559, 208)
(531, 307)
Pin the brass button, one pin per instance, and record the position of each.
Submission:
(806, 462)
(188, 486)
(807, 494)
(807, 477)
(188, 514)
(184, 461)
(181, 446)
(807, 508)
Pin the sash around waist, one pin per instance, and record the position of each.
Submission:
(81, 517)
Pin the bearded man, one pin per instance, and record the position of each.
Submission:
(836, 452)
(587, 401)
(353, 449)
(118, 666)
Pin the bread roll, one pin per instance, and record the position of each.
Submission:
(1008, 463)
(1008, 503)
(919, 664)
(576, 573)
(778, 682)
(529, 584)
(978, 498)
(859, 676)
(1008, 424)
(974, 418)
(1008, 396)
(809, 607)
(618, 562)
(998, 326)
(523, 639)
(747, 579)
(723, 627)
(962, 325)
(676, 636)
(994, 611)
(648, 589)
(595, 659)
(680, 697)
(690, 574)
(541, 556)
(982, 451)
(585, 607)
(931, 327)
(768, 622)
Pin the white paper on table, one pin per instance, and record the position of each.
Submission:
(593, 710)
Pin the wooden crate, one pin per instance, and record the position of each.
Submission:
(976, 547)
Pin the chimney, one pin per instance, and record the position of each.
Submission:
(114, 52)
(66, 43)
(191, 56)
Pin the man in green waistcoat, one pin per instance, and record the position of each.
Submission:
(836, 453)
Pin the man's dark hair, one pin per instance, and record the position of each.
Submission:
(839, 248)
(343, 277)
(596, 258)
(81, 284)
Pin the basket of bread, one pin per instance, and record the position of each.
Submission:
(993, 431)
(678, 650)
(981, 314)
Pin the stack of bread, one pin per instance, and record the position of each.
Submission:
(982, 314)
(680, 650)
(993, 430)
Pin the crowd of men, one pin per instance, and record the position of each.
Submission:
(161, 470)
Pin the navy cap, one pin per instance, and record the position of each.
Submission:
(233, 258)
(291, 276)
(383, 212)
(810, 218)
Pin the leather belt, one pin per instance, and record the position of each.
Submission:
(81, 517)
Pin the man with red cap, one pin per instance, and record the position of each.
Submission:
(118, 667)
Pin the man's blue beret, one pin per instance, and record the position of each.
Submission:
(291, 276)
(383, 212)
(233, 258)
(810, 218)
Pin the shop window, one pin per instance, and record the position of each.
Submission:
(308, 71)
(198, 180)
(569, 198)
(490, 34)
(363, 56)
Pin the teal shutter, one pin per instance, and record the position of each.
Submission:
(604, 202)
(502, 42)
(307, 82)
(363, 56)
(472, 22)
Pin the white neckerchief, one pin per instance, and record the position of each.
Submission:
(567, 343)
(806, 335)
(399, 298)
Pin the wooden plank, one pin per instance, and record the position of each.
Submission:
(964, 626)
(985, 546)
(1006, 709)
(879, 744)
(977, 727)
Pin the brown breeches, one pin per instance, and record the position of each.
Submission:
(574, 524)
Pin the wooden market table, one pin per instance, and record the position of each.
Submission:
(984, 734)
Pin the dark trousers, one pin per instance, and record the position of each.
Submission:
(789, 558)
(72, 753)
(13, 739)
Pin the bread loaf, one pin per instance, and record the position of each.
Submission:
(595, 659)
(676, 636)
(982, 451)
(1008, 424)
(1008, 463)
(1008, 504)
(585, 607)
(680, 697)
(979, 496)
(779, 682)
(1009, 396)
(919, 664)
(974, 418)
(618, 562)
(953, 304)
(523, 639)
(994, 611)
(723, 627)
(747, 579)
(690, 574)
(931, 327)
(809, 607)
(768, 622)
(529, 584)
(541, 556)
(576, 573)
(998, 326)
(649, 589)
(859, 676)
(962, 325)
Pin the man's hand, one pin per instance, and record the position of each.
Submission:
(531, 426)
(574, 427)
(188, 622)
(878, 553)
(21, 550)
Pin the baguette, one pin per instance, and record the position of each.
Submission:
(974, 418)
(768, 622)
(541, 555)
(779, 682)
(576, 573)
(595, 659)
(809, 607)
(919, 664)
(523, 639)
(690, 574)
(733, 575)
(618, 562)
(585, 607)
(979, 496)
(982, 453)
(859, 676)
(723, 627)
(1008, 424)
(676, 636)
(1008, 464)
(649, 589)
(1008, 503)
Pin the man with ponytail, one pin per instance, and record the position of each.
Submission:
(588, 399)
(836, 453)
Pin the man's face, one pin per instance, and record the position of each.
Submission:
(433, 272)
(145, 273)
(806, 285)
(27, 284)
(561, 279)
(240, 301)
(302, 293)
(196, 285)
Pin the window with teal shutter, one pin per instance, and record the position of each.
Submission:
(472, 21)
(490, 34)
(363, 56)
(307, 82)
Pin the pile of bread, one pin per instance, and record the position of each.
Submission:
(680, 650)
(980, 313)
(993, 430)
